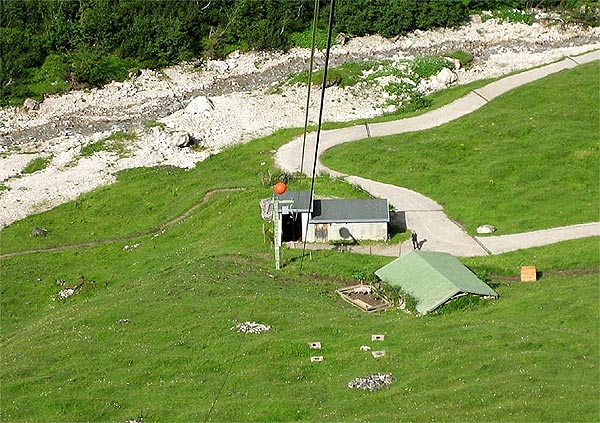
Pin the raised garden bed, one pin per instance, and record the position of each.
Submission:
(364, 297)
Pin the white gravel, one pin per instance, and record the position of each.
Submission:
(224, 120)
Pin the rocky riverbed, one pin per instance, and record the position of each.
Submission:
(221, 103)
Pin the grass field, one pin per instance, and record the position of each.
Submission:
(527, 161)
(149, 334)
(529, 356)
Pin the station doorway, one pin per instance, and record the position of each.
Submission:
(291, 227)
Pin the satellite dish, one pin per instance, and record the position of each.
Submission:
(345, 233)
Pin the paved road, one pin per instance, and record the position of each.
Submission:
(422, 214)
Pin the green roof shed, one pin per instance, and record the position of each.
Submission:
(432, 278)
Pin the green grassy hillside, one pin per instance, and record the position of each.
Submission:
(526, 161)
(528, 356)
(148, 334)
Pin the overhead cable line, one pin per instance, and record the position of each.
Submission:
(322, 102)
(310, 72)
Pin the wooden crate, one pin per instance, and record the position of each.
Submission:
(528, 274)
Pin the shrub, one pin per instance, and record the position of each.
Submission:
(37, 164)
(363, 274)
(51, 76)
(304, 39)
(428, 66)
(114, 143)
(506, 14)
(120, 136)
(90, 149)
(465, 58)
(389, 18)
(92, 67)
(583, 11)
(348, 74)
(397, 296)
(401, 92)
(416, 102)
(150, 123)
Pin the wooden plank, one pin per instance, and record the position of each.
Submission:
(379, 307)
(360, 303)
(528, 274)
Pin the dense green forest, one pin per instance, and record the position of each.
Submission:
(49, 46)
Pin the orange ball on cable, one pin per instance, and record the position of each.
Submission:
(279, 188)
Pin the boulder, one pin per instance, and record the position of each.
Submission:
(486, 229)
(429, 85)
(341, 39)
(446, 77)
(31, 104)
(217, 66)
(200, 104)
(183, 140)
(39, 231)
(455, 62)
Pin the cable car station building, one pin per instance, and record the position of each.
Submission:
(328, 220)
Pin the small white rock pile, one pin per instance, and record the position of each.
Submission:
(251, 327)
(65, 293)
(372, 382)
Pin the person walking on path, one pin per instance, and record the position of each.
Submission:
(415, 241)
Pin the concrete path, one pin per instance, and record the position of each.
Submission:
(422, 214)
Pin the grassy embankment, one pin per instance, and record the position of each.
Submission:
(532, 355)
(527, 161)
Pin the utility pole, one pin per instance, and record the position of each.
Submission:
(278, 189)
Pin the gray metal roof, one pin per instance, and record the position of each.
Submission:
(350, 211)
(301, 200)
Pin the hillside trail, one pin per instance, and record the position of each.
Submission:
(436, 231)
(155, 231)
